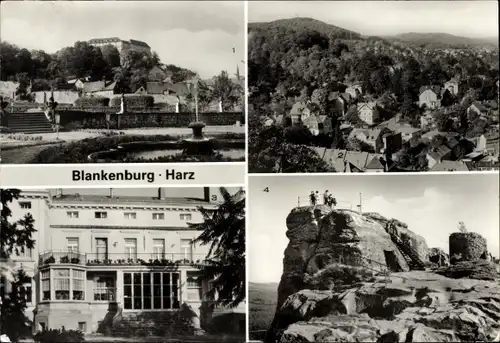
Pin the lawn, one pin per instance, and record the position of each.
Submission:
(262, 305)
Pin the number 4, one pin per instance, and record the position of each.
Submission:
(266, 189)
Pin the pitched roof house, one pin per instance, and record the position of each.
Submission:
(437, 155)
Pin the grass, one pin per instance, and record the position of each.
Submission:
(262, 305)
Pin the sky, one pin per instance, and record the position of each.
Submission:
(174, 192)
(196, 35)
(379, 18)
(431, 205)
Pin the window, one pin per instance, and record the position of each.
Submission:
(185, 216)
(101, 215)
(25, 205)
(130, 215)
(158, 249)
(187, 249)
(69, 284)
(194, 287)
(72, 244)
(104, 289)
(82, 326)
(131, 248)
(158, 216)
(78, 284)
(61, 283)
(45, 277)
(72, 214)
(26, 291)
(157, 291)
(101, 246)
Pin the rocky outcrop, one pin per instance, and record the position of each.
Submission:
(439, 257)
(345, 280)
(321, 237)
(467, 246)
(410, 307)
(417, 242)
(480, 270)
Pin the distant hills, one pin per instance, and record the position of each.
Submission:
(262, 300)
(431, 39)
(439, 38)
(301, 23)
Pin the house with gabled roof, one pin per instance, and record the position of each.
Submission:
(368, 112)
(102, 88)
(375, 166)
(437, 155)
(452, 86)
(372, 137)
(320, 124)
(430, 96)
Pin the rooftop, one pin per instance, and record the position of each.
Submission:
(126, 200)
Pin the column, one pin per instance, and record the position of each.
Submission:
(119, 287)
(52, 290)
(183, 286)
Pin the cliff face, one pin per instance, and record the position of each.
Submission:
(320, 237)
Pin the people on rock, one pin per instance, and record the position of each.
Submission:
(317, 197)
(312, 198)
(326, 196)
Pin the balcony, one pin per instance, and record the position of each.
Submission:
(146, 259)
(121, 259)
(61, 257)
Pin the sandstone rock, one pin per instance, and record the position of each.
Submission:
(417, 242)
(320, 236)
(439, 257)
(412, 307)
(480, 270)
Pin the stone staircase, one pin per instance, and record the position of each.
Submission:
(28, 122)
(411, 256)
(147, 323)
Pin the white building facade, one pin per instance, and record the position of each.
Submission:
(100, 254)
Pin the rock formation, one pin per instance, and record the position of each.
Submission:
(346, 280)
(439, 257)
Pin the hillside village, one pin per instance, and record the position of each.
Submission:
(371, 104)
(95, 72)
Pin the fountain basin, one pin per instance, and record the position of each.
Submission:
(233, 149)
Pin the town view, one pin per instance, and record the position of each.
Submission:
(326, 98)
(78, 99)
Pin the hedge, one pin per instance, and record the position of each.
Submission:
(92, 101)
(135, 101)
(59, 336)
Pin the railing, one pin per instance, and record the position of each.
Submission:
(152, 259)
(341, 204)
(116, 259)
(61, 257)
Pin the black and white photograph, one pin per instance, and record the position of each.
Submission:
(375, 258)
(123, 265)
(373, 86)
(122, 81)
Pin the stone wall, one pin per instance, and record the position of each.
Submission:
(469, 246)
(71, 119)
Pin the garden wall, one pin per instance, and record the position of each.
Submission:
(71, 119)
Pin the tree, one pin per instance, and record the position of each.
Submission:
(225, 90)
(224, 231)
(15, 237)
(14, 323)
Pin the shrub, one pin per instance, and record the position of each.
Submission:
(59, 336)
(97, 101)
(135, 101)
(336, 275)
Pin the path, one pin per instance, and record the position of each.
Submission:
(23, 155)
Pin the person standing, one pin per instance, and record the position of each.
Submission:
(317, 197)
(326, 196)
(312, 198)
